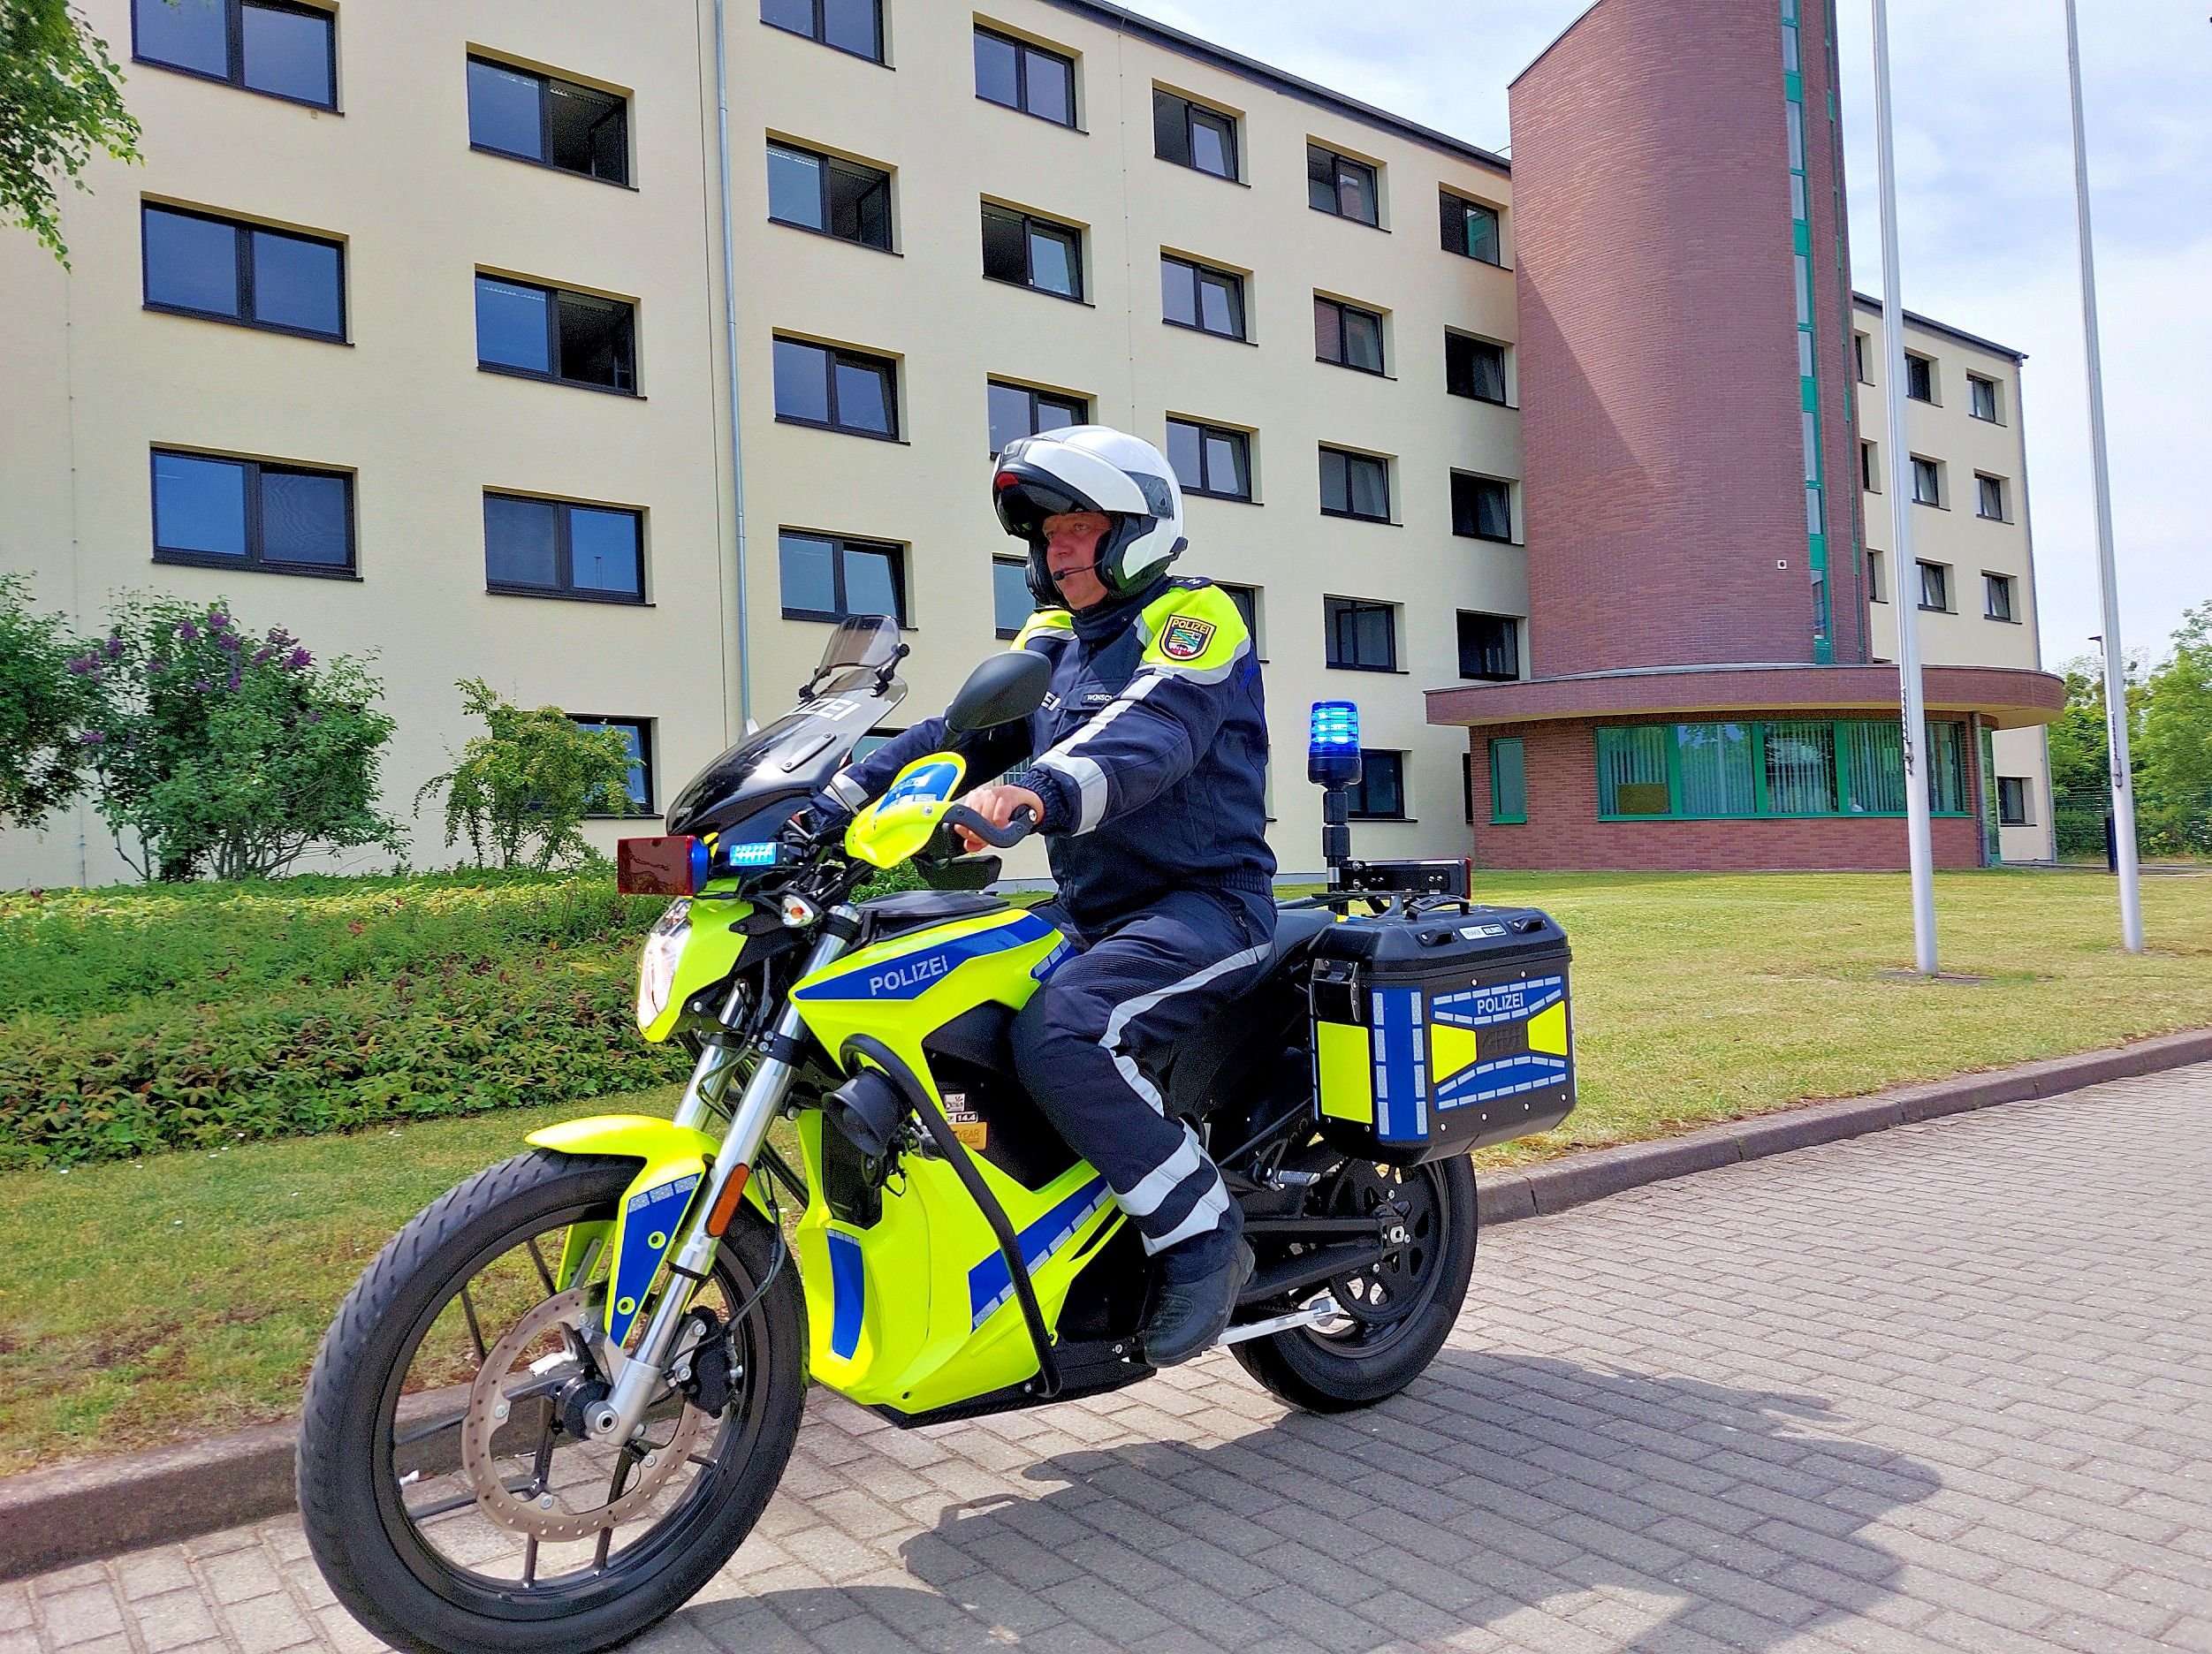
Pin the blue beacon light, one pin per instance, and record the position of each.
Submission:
(1332, 751)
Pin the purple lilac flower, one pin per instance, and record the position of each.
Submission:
(298, 659)
(201, 685)
(231, 640)
(188, 631)
(217, 619)
(235, 676)
(115, 648)
(79, 665)
(261, 657)
(153, 666)
(92, 738)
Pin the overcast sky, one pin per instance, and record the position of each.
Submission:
(1986, 197)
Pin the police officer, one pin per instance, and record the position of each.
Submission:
(1146, 769)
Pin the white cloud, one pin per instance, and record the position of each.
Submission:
(1985, 185)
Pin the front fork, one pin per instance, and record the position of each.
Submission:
(638, 1380)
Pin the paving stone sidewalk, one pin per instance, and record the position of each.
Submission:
(1948, 1387)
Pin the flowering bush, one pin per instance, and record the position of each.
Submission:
(226, 753)
(534, 778)
(48, 700)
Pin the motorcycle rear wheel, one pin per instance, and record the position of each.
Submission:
(1405, 1311)
(376, 1537)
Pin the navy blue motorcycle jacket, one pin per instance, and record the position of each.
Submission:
(1149, 751)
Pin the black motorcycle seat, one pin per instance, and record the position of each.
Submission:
(910, 910)
(1295, 929)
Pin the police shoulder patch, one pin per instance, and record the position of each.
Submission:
(1185, 637)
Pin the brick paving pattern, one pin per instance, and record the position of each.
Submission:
(1948, 1387)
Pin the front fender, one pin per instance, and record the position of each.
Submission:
(651, 1216)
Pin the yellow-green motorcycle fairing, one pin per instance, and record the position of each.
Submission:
(649, 1215)
(711, 948)
(899, 825)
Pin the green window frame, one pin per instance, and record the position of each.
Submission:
(1508, 781)
(1780, 768)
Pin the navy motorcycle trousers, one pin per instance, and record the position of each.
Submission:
(1083, 1041)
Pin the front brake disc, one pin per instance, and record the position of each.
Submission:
(533, 1508)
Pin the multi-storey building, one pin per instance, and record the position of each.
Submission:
(422, 332)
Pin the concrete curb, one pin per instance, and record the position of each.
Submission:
(51, 1519)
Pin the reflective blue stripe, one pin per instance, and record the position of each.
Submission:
(988, 1283)
(1501, 1002)
(1402, 1114)
(848, 1294)
(653, 1212)
(1526, 1071)
(910, 976)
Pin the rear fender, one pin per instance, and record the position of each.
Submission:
(673, 1163)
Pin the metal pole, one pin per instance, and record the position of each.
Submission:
(1906, 587)
(2108, 577)
(729, 338)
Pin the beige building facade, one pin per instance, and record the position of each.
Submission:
(1043, 210)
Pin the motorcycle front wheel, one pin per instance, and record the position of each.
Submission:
(449, 1494)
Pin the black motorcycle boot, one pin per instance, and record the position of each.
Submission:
(1198, 1284)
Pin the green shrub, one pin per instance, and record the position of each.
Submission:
(534, 776)
(49, 702)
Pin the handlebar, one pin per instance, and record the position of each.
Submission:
(1004, 838)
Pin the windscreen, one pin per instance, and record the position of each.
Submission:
(871, 641)
(754, 785)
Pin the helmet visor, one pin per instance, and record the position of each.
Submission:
(1026, 496)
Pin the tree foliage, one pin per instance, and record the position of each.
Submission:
(61, 99)
(530, 781)
(2175, 753)
(226, 754)
(48, 702)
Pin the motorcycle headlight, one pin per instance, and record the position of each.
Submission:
(657, 966)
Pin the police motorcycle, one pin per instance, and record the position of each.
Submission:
(556, 1403)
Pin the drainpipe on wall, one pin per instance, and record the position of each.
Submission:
(729, 343)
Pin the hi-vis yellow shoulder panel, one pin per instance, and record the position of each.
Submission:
(1194, 632)
(1044, 623)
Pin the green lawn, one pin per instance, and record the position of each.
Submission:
(151, 1300)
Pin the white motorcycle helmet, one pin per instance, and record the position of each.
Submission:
(1092, 468)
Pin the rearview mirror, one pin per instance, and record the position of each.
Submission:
(1004, 689)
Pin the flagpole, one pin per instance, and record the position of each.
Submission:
(2108, 577)
(1906, 587)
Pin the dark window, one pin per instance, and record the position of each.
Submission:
(1470, 229)
(1927, 480)
(1509, 780)
(1032, 252)
(1989, 498)
(1996, 597)
(637, 735)
(1935, 586)
(233, 272)
(1379, 793)
(1874, 589)
(1474, 367)
(852, 26)
(288, 51)
(1011, 604)
(1339, 184)
(1211, 459)
(1789, 767)
(2014, 796)
(1019, 411)
(1482, 507)
(548, 333)
(1025, 77)
(1981, 397)
(553, 122)
(1868, 479)
(1859, 359)
(1355, 485)
(1363, 636)
(224, 513)
(829, 578)
(1190, 134)
(1198, 296)
(839, 390)
(1347, 335)
(839, 198)
(1920, 378)
(1489, 646)
(556, 549)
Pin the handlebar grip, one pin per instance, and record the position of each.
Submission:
(998, 837)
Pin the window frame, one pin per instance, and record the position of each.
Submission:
(1976, 383)
(1874, 576)
(1030, 222)
(1927, 364)
(1512, 624)
(1192, 107)
(1022, 49)
(649, 810)
(545, 84)
(1022, 565)
(234, 50)
(1476, 533)
(243, 231)
(1985, 484)
(1340, 161)
(819, 34)
(554, 295)
(1942, 573)
(1869, 465)
(1240, 438)
(1356, 795)
(1499, 816)
(1935, 471)
(565, 588)
(1348, 455)
(1859, 342)
(1345, 309)
(1081, 404)
(1840, 769)
(1199, 273)
(1504, 399)
(1992, 583)
(252, 557)
(836, 355)
(1449, 198)
(2023, 789)
(824, 161)
(843, 544)
(1335, 610)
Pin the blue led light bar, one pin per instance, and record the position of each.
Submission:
(1332, 751)
(750, 855)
